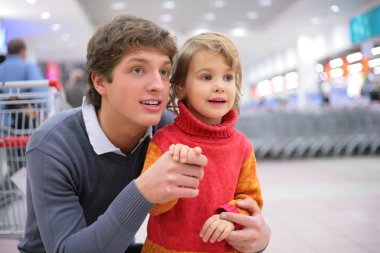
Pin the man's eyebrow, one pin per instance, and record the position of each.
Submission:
(139, 59)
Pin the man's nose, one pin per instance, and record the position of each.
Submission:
(157, 82)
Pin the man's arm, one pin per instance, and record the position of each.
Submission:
(61, 222)
(60, 217)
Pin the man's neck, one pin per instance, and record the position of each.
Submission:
(126, 138)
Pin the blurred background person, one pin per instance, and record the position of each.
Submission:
(2, 58)
(75, 87)
(16, 68)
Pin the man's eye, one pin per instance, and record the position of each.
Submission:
(137, 70)
(165, 72)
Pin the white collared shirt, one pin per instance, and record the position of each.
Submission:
(99, 141)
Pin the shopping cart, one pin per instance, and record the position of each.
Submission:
(20, 114)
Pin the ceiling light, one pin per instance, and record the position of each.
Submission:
(199, 31)
(278, 83)
(219, 3)
(291, 80)
(31, 1)
(168, 5)
(117, 6)
(374, 62)
(166, 18)
(319, 68)
(334, 8)
(375, 50)
(56, 27)
(239, 32)
(265, 3)
(252, 15)
(354, 57)
(354, 68)
(335, 73)
(264, 88)
(45, 15)
(335, 63)
(210, 16)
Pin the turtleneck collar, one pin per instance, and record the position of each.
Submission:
(187, 122)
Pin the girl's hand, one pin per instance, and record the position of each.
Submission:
(183, 153)
(216, 229)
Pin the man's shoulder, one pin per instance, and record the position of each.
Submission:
(59, 126)
(66, 115)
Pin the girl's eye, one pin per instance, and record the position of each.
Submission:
(228, 78)
(206, 77)
(137, 70)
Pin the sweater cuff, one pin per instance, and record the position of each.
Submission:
(231, 209)
(227, 208)
(131, 207)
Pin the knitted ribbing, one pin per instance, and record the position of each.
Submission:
(188, 123)
(176, 229)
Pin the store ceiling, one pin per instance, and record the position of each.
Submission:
(188, 15)
(268, 28)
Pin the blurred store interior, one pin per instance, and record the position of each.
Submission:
(303, 61)
(310, 104)
(295, 53)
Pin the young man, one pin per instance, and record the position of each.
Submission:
(84, 188)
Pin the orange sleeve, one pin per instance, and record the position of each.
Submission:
(152, 155)
(248, 184)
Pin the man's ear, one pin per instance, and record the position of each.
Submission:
(98, 81)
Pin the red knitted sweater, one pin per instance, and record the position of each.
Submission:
(230, 175)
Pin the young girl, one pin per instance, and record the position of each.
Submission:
(205, 91)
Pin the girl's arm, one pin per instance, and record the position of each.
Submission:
(248, 186)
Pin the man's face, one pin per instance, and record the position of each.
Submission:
(138, 93)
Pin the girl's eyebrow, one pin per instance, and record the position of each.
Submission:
(209, 69)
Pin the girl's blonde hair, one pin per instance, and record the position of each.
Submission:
(213, 42)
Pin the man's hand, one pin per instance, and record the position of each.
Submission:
(255, 234)
(216, 229)
(168, 179)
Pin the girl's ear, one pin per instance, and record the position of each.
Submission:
(99, 83)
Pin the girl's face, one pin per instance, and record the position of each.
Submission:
(210, 88)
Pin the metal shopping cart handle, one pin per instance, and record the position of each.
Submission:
(13, 89)
(30, 84)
